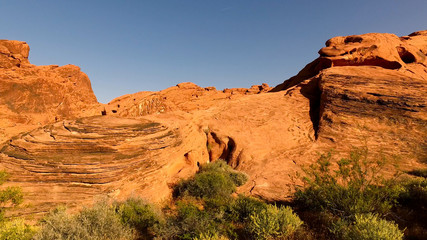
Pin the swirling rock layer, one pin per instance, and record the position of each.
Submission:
(73, 161)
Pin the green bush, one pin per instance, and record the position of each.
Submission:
(244, 206)
(16, 230)
(273, 222)
(220, 166)
(98, 222)
(354, 188)
(211, 184)
(371, 227)
(139, 215)
(204, 207)
(204, 236)
(189, 221)
(216, 179)
(12, 196)
(414, 192)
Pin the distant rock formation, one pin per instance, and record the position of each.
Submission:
(185, 96)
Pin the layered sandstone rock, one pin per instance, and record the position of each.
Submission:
(74, 161)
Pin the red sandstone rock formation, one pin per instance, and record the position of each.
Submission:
(33, 96)
(367, 89)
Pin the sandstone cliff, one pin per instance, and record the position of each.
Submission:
(32, 96)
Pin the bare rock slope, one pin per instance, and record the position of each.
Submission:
(364, 90)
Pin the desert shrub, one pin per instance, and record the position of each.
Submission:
(11, 196)
(189, 221)
(204, 206)
(354, 188)
(207, 236)
(98, 222)
(244, 206)
(221, 166)
(211, 184)
(216, 179)
(139, 215)
(411, 212)
(414, 192)
(16, 229)
(273, 222)
(371, 227)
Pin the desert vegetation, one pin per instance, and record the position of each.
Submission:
(344, 199)
(12, 228)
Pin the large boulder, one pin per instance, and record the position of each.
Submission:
(13, 54)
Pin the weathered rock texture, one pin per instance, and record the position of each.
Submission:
(74, 160)
(364, 90)
(184, 96)
(36, 95)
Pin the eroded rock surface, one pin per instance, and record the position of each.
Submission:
(32, 96)
(74, 161)
(184, 96)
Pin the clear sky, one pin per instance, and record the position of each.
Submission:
(130, 46)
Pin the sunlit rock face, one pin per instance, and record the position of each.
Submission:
(31, 96)
(405, 54)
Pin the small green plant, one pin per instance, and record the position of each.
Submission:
(244, 206)
(355, 187)
(11, 196)
(189, 221)
(16, 229)
(134, 212)
(207, 236)
(371, 227)
(273, 222)
(216, 179)
(414, 193)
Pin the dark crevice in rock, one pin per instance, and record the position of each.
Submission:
(405, 55)
(223, 148)
(313, 93)
(353, 39)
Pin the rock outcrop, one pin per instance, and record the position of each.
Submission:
(184, 97)
(406, 54)
(14, 54)
(375, 83)
(32, 96)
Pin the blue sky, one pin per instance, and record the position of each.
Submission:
(130, 46)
